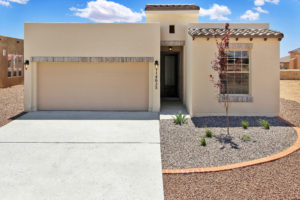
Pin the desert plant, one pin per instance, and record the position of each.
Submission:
(246, 137)
(208, 132)
(219, 65)
(264, 123)
(245, 124)
(180, 118)
(203, 141)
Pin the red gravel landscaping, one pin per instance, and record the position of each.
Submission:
(11, 103)
(275, 180)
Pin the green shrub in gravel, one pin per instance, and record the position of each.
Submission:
(245, 124)
(203, 141)
(246, 137)
(180, 119)
(208, 132)
(264, 123)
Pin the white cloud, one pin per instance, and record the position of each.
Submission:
(108, 11)
(259, 2)
(250, 15)
(217, 12)
(4, 3)
(7, 2)
(260, 10)
(19, 1)
(262, 2)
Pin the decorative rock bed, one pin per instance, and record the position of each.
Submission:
(181, 145)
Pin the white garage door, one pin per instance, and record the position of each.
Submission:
(93, 86)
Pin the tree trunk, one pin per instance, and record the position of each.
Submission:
(227, 119)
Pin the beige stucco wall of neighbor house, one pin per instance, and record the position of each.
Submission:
(91, 40)
(264, 78)
(294, 61)
(14, 46)
(290, 74)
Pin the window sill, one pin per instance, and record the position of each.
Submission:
(237, 98)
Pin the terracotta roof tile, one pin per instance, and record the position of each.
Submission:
(236, 33)
(285, 59)
(157, 7)
(296, 50)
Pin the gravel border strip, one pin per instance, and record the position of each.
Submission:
(271, 158)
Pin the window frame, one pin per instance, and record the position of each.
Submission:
(15, 66)
(172, 29)
(242, 72)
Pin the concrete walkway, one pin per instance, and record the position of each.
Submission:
(170, 108)
(81, 155)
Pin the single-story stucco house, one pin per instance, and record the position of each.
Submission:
(285, 62)
(136, 66)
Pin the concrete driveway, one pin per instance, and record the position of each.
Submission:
(81, 155)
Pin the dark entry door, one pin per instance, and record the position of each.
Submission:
(169, 75)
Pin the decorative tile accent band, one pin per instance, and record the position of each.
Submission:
(241, 98)
(91, 59)
(172, 43)
(240, 45)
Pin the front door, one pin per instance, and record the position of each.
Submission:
(169, 75)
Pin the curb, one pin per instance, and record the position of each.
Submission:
(295, 147)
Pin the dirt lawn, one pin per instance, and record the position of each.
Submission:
(11, 103)
(290, 89)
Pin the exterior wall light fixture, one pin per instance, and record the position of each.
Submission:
(156, 79)
(26, 63)
(156, 64)
(170, 48)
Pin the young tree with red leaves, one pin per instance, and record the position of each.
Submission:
(219, 65)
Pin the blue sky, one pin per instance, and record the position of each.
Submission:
(283, 15)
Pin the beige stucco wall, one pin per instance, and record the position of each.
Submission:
(90, 40)
(180, 19)
(93, 86)
(264, 79)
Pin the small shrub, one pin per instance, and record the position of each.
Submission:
(246, 137)
(180, 119)
(203, 141)
(245, 124)
(264, 123)
(208, 132)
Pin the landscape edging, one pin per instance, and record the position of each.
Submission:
(293, 148)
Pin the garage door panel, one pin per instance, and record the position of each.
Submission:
(86, 86)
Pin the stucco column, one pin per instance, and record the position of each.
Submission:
(34, 86)
(154, 87)
(30, 87)
(27, 88)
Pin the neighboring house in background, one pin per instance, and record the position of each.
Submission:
(292, 61)
(136, 66)
(285, 62)
(290, 66)
(11, 61)
(295, 59)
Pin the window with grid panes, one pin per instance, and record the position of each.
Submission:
(238, 72)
